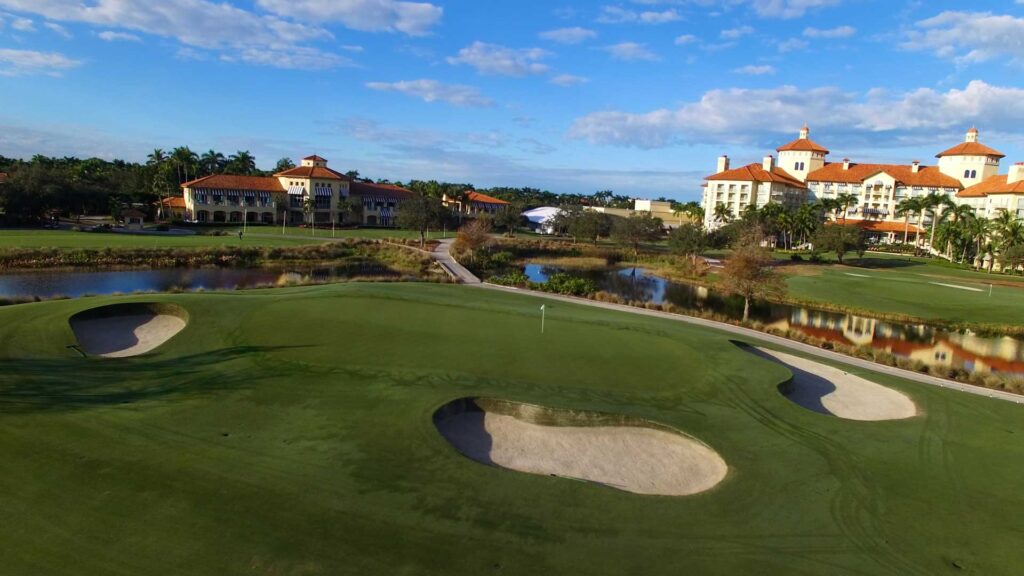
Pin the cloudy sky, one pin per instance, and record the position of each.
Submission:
(638, 96)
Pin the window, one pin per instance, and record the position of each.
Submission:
(974, 173)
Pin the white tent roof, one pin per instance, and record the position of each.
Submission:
(541, 215)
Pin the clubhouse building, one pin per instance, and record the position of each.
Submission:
(967, 173)
(286, 197)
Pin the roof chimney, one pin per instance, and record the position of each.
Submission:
(846, 163)
(723, 164)
(769, 163)
(915, 167)
(805, 132)
(972, 135)
(1016, 173)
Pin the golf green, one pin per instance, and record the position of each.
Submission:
(290, 431)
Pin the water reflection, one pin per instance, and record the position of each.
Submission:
(50, 283)
(927, 344)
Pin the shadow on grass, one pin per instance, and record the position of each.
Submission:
(42, 385)
(882, 263)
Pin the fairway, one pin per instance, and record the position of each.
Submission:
(290, 431)
(101, 240)
(908, 292)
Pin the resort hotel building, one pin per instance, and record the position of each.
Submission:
(287, 197)
(967, 173)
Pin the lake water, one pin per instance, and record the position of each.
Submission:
(50, 283)
(929, 344)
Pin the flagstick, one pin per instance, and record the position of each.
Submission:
(543, 315)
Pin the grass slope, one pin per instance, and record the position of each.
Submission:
(289, 432)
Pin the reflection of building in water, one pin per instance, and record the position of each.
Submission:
(917, 342)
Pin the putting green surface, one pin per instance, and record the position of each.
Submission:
(290, 432)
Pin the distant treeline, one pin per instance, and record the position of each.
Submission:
(68, 187)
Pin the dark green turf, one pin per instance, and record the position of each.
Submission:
(289, 432)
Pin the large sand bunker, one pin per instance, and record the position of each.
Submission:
(123, 330)
(628, 454)
(832, 391)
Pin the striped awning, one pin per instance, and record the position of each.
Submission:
(264, 195)
(296, 191)
(386, 213)
(322, 192)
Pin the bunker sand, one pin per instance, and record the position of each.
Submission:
(828, 390)
(630, 458)
(126, 331)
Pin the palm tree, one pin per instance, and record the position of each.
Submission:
(907, 208)
(212, 162)
(977, 231)
(787, 224)
(722, 213)
(845, 200)
(242, 162)
(932, 204)
(156, 157)
(309, 207)
(829, 206)
(806, 221)
(958, 217)
(1009, 230)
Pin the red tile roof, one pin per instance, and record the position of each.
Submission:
(857, 173)
(382, 190)
(757, 173)
(230, 182)
(316, 172)
(803, 145)
(971, 149)
(315, 158)
(176, 202)
(994, 185)
(483, 198)
(874, 226)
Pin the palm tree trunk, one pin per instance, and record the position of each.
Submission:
(906, 228)
(746, 308)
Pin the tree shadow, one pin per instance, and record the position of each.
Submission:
(882, 263)
(805, 389)
(66, 384)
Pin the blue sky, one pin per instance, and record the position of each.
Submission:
(637, 96)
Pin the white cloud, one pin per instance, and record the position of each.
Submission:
(567, 80)
(435, 91)
(111, 36)
(750, 115)
(792, 44)
(755, 70)
(494, 59)
(241, 35)
(630, 52)
(969, 37)
(837, 32)
(619, 15)
(288, 57)
(573, 35)
(23, 25)
(26, 62)
(57, 29)
(735, 33)
(412, 18)
(789, 8)
(685, 39)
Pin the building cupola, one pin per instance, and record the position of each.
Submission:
(314, 162)
(805, 132)
(972, 135)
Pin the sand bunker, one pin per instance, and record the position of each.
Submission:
(123, 330)
(627, 454)
(832, 391)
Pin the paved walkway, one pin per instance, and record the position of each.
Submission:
(443, 255)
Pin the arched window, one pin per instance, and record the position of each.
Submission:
(974, 173)
(967, 173)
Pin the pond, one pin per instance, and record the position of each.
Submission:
(930, 345)
(76, 283)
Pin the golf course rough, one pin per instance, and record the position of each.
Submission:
(628, 454)
(828, 390)
(125, 330)
(290, 431)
